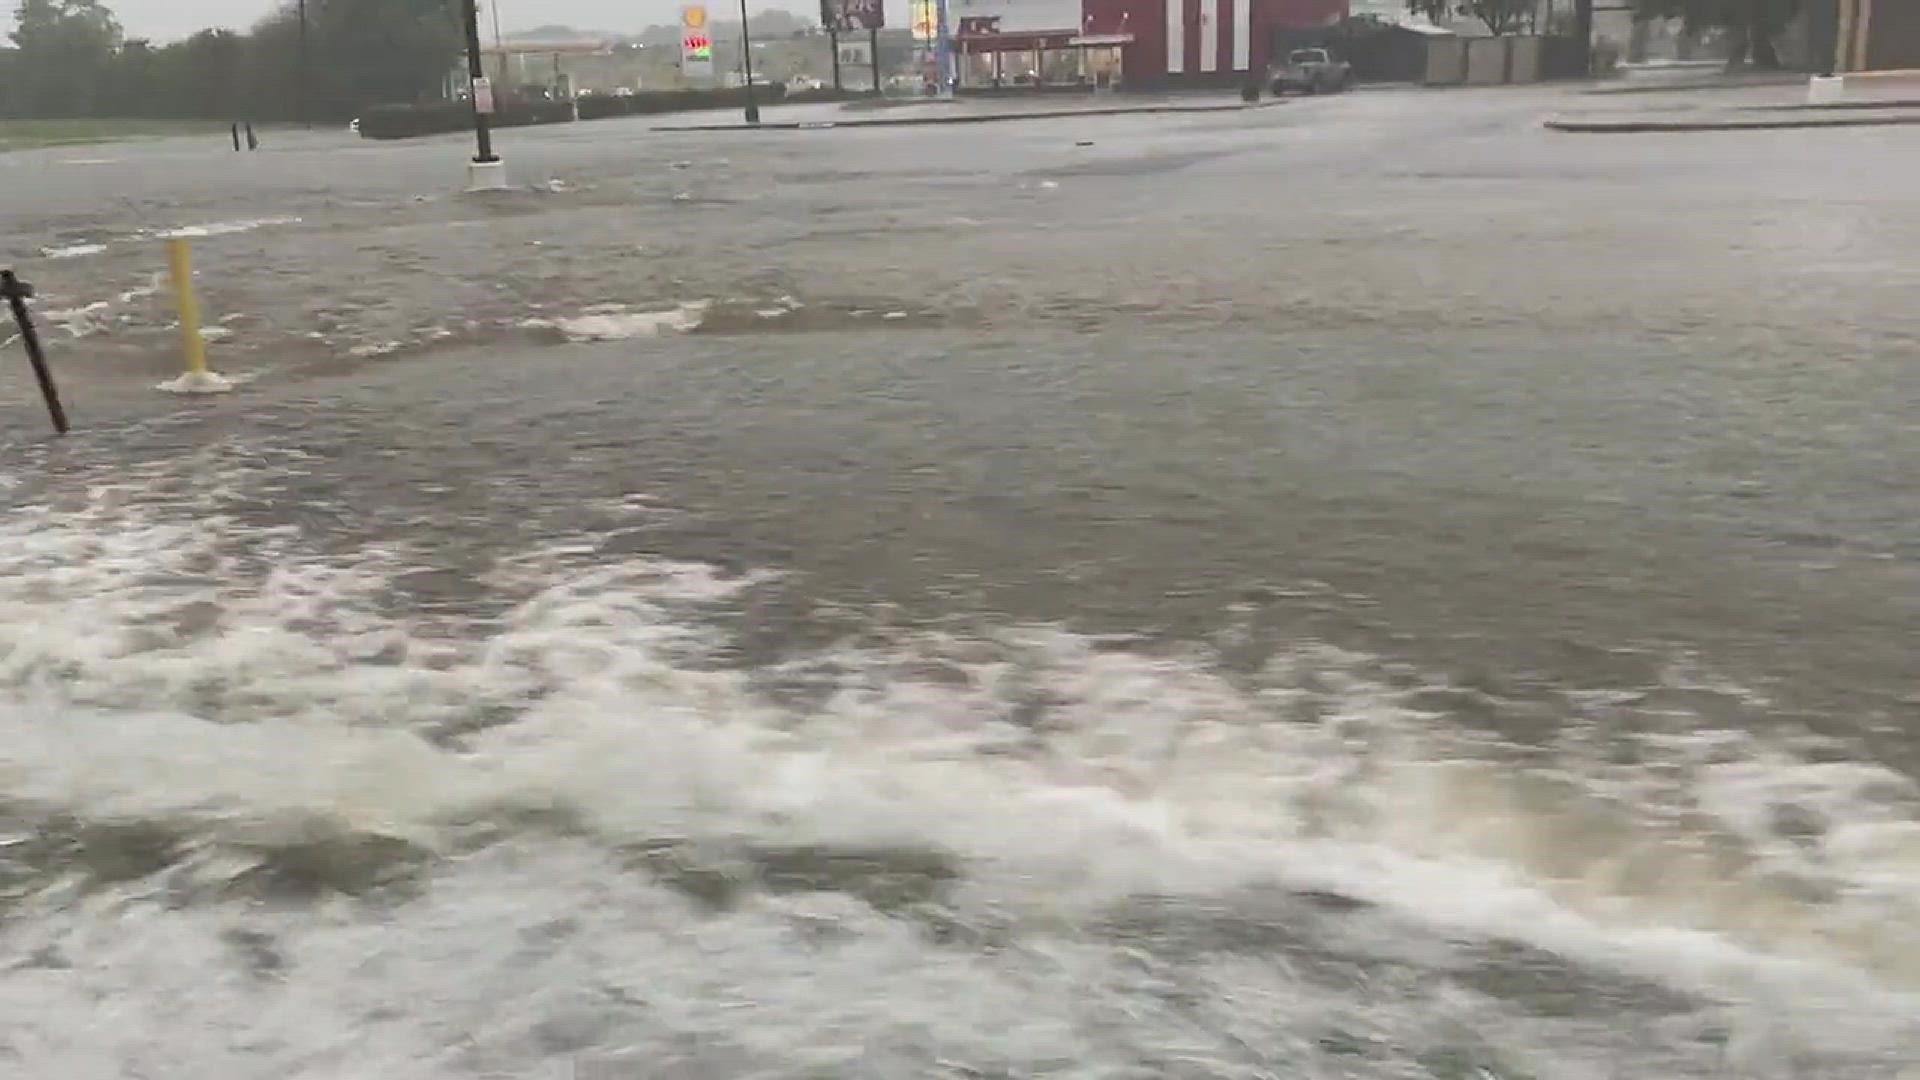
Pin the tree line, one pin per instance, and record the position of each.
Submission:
(70, 58)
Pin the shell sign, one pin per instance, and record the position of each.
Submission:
(696, 45)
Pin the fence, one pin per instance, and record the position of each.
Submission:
(1499, 61)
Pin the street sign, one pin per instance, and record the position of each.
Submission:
(696, 43)
(855, 54)
(483, 96)
(842, 16)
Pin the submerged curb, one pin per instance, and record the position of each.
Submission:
(985, 118)
(1641, 127)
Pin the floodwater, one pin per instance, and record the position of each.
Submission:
(1366, 588)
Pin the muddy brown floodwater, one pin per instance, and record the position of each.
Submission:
(1363, 588)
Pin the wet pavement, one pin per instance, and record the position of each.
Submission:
(1364, 588)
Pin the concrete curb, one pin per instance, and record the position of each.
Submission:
(1649, 127)
(1708, 86)
(1837, 106)
(985, 118)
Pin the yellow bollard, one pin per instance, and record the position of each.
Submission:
(197, 379)
(180, 264)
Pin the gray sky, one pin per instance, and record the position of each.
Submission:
(166, 19)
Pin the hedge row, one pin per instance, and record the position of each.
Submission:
(411, 121)
(439, 118)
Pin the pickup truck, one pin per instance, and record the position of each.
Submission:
(1314, 71)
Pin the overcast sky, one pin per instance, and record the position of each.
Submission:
(166, 19)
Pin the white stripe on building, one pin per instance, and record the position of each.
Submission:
(1209, 35)
(1242, 34)
(1176, 36)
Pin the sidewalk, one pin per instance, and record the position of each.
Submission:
(1746, 120)
(1760, 106)
(959, 111)
(1693, 79)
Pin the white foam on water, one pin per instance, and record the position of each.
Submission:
(73, 251)
(83, 321)
(617, 323)
(142, 292)
(224, 228)
(172, 668)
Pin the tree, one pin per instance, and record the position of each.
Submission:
(1753, 25)
(65, 47)
(71, 61)
(1501, 16)
(361, 52)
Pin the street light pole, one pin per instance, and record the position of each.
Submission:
(486, 172)
(746, 64)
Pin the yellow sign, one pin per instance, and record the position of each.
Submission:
(922, 19)
(693, 16)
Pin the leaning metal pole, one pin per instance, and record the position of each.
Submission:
(17, 293)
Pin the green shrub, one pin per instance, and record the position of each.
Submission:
(601, 106)
(412, 121)
(443, 117)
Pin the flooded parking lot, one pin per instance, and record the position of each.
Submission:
(1366, 587)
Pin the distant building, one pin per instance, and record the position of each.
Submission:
(1139, 43)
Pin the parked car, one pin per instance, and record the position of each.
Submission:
(1312, 71)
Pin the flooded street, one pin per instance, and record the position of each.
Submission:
(1360, 588)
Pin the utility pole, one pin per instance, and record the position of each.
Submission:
(486, 172)
(746, 65)
(943, 48)
(499, 43)
(1583, 33)
(306, 114)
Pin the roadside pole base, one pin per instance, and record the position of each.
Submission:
(197, 382)
(1826, 89)
(486, 175)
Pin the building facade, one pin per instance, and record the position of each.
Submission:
(1864, 35)
(1157, 42)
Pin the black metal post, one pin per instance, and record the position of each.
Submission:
(17, 292)
(833, 36)
(306, 115)
(746, 64)
(482, 127)
(873, 54)
(1583, 34)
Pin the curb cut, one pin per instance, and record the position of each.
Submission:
(1649, 127)
(988, 118)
